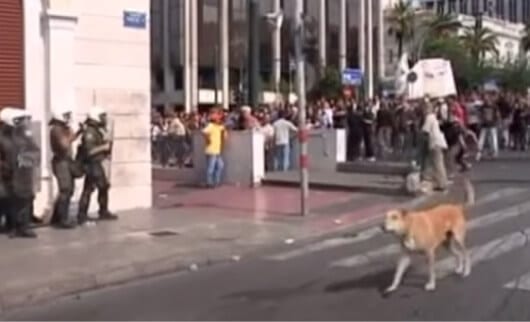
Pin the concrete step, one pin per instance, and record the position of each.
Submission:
(377, 168)
(330, 180)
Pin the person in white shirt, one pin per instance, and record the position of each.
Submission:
(436, 146)
(268, 133)
(282, 135)
(326, 118)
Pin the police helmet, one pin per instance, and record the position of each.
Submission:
(62, 114)
(97, 114)
(11, 116)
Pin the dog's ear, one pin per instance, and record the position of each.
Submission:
(403, 212)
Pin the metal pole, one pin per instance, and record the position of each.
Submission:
(216, 63)
(370, 49)
(253, 54)
(300, 90)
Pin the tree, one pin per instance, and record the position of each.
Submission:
(402, 20)
(442, 25)
(479, 42)
(435, 30)
(330, 85)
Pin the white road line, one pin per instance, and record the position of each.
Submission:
(375, 231)
(326, 244)
(480, 222)
(488, 251)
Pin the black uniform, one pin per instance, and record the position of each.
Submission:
(20, 156)
(355, 134)
(4, 193)
(94, 135)
(62, 165)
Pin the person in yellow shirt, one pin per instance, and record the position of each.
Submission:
(215, 136)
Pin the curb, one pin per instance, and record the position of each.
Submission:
(35, 295)
(18, 299)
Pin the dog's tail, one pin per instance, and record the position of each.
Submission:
(469, 191)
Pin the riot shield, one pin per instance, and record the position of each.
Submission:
(107, 163)
(37, 172)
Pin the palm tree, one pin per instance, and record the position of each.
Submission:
(442, 25)
(479, 42)
(525, 41)
(436, 28)
(401, 20)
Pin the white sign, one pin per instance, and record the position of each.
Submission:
(433, 77)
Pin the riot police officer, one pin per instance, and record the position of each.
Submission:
(94, 153)
(20, 156)
(5, 218)
(63, 165)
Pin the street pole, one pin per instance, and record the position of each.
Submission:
(253, 54)
(216, 64)
(300, 91)
(216, 72)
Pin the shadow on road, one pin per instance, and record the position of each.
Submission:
(378, 280)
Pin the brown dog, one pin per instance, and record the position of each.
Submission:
(425, 231)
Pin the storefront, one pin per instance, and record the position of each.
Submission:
(74, 53)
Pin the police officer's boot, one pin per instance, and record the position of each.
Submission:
(103, 200)
(62, 207)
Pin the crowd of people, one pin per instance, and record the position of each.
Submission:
(436, 133)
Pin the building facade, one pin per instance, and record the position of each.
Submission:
(514, 11)
(77, 54)
(332, 39)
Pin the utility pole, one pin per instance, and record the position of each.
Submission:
(300, 91)
(253, 54)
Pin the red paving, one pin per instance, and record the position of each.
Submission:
(270, 200)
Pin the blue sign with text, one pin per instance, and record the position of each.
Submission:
(134, 19)
(352, 76)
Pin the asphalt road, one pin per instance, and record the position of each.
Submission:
(340, 277)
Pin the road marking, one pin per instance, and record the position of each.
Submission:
(375, 231)
(487, 252)
(480, 222)
(326, 244)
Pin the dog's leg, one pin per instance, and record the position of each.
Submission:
(460, 258)
(466, 259)
(431, 284)
(401, 268)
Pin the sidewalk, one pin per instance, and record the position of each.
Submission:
(145, 243)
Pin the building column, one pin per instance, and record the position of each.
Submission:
(481, 7)
(369, 47)
(322, 35)
(277, 49)
(224, 52)
(381, 39)
(470, 8)
(194, 55)
(59, 22)
(361, 28)
(506, 16)
(169, 76)
(187, 56)
(520, 11)
(457, 7)
(343, 27)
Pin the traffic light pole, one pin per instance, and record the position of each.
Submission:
(301, 93)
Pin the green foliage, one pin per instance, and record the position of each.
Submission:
(515, 76)
(330, 85)
(402, 21)
(479, 42)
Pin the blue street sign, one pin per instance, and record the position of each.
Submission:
(134, 19)
(352, 76)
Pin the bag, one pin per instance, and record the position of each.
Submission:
(77, 166)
